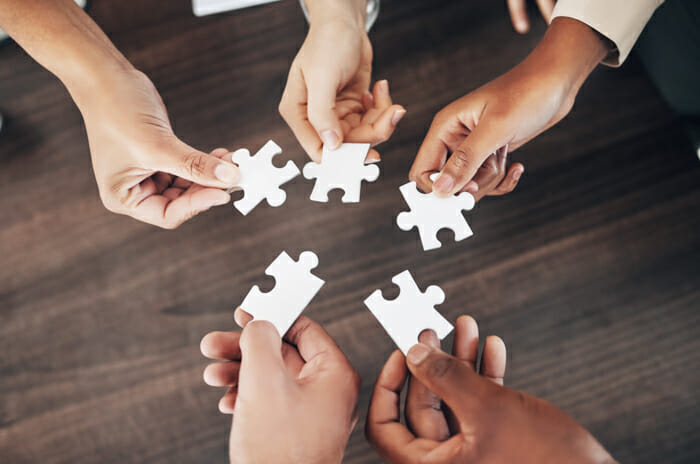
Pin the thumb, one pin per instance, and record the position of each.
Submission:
(466, 160)
(262, 365)
(452, 380)
(321, 112)
(200, 168)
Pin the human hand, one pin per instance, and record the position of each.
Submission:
(327, 98)
(519, 16)
(292, 401)
(478, 130)
(142, 169)
(478, 419)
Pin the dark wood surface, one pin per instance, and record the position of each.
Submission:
(590, 271)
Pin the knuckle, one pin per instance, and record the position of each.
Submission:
(441, 366)
(195, 165)
(461, 158)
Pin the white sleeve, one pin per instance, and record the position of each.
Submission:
(620, 21)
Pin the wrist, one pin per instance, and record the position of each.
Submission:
(352, 12)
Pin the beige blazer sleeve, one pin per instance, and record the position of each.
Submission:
(620, 21)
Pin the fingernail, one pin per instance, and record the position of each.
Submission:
(384, 87)
(521, 26)
(330, 139)
(372, 159)
(444, 183)
(418, 353)
(226, 173)
(517, 174)
(398, 115)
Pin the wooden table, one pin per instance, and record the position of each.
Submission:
(590, 271)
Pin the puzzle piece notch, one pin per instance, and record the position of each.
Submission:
(413, 311)
(260, 179)
(430, 214)
(295, 287)
(344, 169)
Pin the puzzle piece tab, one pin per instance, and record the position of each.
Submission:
(295, 287)
(413, 311)
(344, 169)
(430, 213)
(260, 179)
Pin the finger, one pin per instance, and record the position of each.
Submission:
(546, 7)
(227, 403)
(221, 345)
(489, 175)
(241, 317)
(466, 344)
(424, 414)
(322, 92)
(466, 160)
(169, 213)
(293, 108)
(431, 157)
(449, 378)
(311, 340)
(201, 168)
(381, 94)
(262, 366)
(381, 130)
(518, 15)
(222, 374)
(220, 153)
(515, 171)
(456, 449)
(290, 355)
(493, 361)
(383, 427)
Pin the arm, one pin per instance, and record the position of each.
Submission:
(142, 169)
(327, 98)
(508, 111)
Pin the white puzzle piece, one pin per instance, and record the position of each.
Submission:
(430, 213)
(295, 287)
(260, 179)
(344, 169)
(413, 311)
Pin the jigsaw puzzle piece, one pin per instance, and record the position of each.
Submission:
(430, 214)
(295, 287)
(260, 179)
(412, 312)
(344, 169)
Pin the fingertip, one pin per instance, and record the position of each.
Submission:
(241, 317)
(430, 338)
(398, 116)
(224, 405)
(208, 375)
(331, 139)
(444, 184)
(205, 345)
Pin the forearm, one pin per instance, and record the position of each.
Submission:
(570, 51)
(321, 11)
(63, 39)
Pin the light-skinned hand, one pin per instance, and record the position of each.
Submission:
(142, 169)
(460, 416)
(469, 139)
(327, 99)
(293, 401)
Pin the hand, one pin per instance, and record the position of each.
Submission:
(292, 401)
(478, 129)
(478, 420)
(327, 99)
(519, 16)
(142, 169)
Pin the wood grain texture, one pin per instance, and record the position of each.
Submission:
(590, 271)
